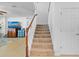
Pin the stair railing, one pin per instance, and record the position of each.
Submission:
(27, 34)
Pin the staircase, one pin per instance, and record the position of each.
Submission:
(42, 43)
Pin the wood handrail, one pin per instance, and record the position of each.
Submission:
(27, 30)
(31, 22)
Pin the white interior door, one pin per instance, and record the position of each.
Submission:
(70, 30)
(70, 19)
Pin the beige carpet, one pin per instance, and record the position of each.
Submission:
(42, 43)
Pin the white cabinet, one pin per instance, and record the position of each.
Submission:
(3, 28)
(3, 24)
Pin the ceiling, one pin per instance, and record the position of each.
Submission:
(18, 8)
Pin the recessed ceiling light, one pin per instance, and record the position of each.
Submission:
(13, 6)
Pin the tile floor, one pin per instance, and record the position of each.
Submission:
(15, 48)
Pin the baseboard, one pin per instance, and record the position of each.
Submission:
(75, 53)
(57, 54)
(67, 54)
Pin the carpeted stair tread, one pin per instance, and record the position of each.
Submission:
(44, 40)
(42, 52)
(42, 46)
(42, 25)
(42, 32)
(36, 36)
(42, 29)
(36, 43)
(42, 35)
(42, 43)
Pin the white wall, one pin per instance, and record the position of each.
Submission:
(42, 11)
(51, 19)
(64, 28)
(54, 35)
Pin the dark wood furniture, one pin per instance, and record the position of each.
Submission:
(12, 33)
